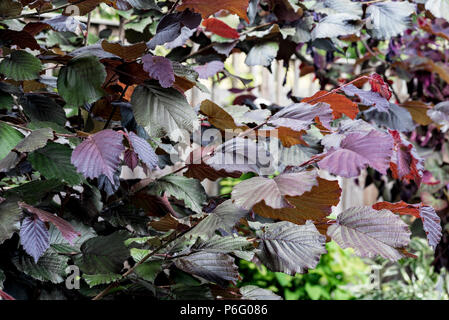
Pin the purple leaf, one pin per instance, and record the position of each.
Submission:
(431, 224)
(108, 186)
(209, 69)
(368, 98)
(144, 150)
(184, 35)
(131, 159)
(99, 154)
(159, 68)
(67, 231)
(214, 267)
(170, 27)
(252, 191)
(225, 48)
(357, 151)
(370, 232)
(65, 23)
(289, 248)
(34, 237)
(242, 155)
(300, 116)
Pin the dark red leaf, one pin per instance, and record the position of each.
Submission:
(220, 28)
(378, 85)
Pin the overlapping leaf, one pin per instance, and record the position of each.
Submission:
(405, 164)
(34, 237)
(357, 151)
(370, 232)
(286, 247)
(209, 69)
(300, 116)
(241, 155)
(430, 219)
(144, 150)
(21, 65)
(220, 28)
(225, 216)
(339, 104)
(313, 205)
(182, 188)
(388, 19)
(214, 267)
(339, 24)
(10, 137)
(207, 8)
(10, 215)
(35, 140)
(53, 162)
(368, 98)
(159, 68)
(80, 81)
(67, 230)
(273, 191)
(163, 111)
(99, 154)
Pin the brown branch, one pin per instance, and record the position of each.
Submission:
(30, 130)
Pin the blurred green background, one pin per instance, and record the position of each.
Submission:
(341, 275)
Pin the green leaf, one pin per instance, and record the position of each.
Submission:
(163, 111)
(53, 162)
(148, 271)
(50, 267)
(35, 140)
(192, 292)
(9, 137)
(41, 108)
(221, 244)
(21, 65)
(6, 100)
(61, 245)
(182, 188)
(34, 191)
(255, 293)
(225, 216)
(262, 54)
(10, 8)
(105, 254)
(99, 279)
(81, 80)
(10, 215)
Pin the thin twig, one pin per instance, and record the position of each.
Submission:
(30, 130)
(114, 108)
(86, 38)
(41, 12)
(172, 9)
(102, 294)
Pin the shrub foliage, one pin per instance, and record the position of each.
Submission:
(102, 157)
